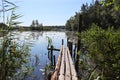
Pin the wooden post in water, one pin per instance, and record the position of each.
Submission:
(62, 41)
(70, 47)
(74, 51)
(67, 41)
(79, 43)
(48, 54)
(51, 56)
(54, 61)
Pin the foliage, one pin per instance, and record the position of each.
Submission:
(72, 23)
(14, 57)
(49, 41)
(104, 48)
(36, 26)
(104, 13)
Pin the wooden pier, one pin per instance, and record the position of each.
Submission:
(64, 69)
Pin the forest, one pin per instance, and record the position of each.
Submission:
(104, 13)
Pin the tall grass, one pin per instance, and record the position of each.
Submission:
(14, 57)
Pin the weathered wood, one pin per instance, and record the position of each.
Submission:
(51, 54)
(61, 77)
(74, 55)
(55, 74)
(70, 46)
(62, 41)
(67, 41)
(54, 61)
(53, 49)
(62, 68)
(67, 74)
(73, 71)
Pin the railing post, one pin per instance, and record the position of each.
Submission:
(51, 56)
(74, 51)
(48, 54)
(67, 41)
(54, 61)
(62, 41)
(70, 47)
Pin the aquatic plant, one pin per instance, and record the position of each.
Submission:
(14, 57)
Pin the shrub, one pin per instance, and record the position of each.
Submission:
(104, 50)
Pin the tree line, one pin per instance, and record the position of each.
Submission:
(104, 13)
(36, 25)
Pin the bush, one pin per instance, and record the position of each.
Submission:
(104, 50)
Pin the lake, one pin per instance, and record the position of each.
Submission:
(38, 42)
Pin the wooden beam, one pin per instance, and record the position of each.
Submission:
(62, 68)
(73, 71)
(55, 74)
(53, 49)
(67, 74)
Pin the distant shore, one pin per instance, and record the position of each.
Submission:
(41, 28)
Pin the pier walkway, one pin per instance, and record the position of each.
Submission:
(64, 69)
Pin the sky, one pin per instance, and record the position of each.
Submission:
(48, 12)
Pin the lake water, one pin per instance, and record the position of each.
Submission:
(38, 47)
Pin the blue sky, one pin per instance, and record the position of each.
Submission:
(48, 12)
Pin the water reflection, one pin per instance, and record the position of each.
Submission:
(35, 35)
(39, 50)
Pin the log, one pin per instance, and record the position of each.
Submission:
(53, 49)
(55, 74)
(67, 74)
(62, 68)
(73, 71)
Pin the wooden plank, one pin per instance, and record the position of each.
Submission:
(73, 71)
(55, 74)
(61, 77)
(62, 68)
(67, 74)
(53, 49)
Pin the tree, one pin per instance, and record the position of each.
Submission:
(104, 13)
(33, 24)
(72, 23)
(36, 26)
(36, 23)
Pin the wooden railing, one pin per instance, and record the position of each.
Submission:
(64, 69)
